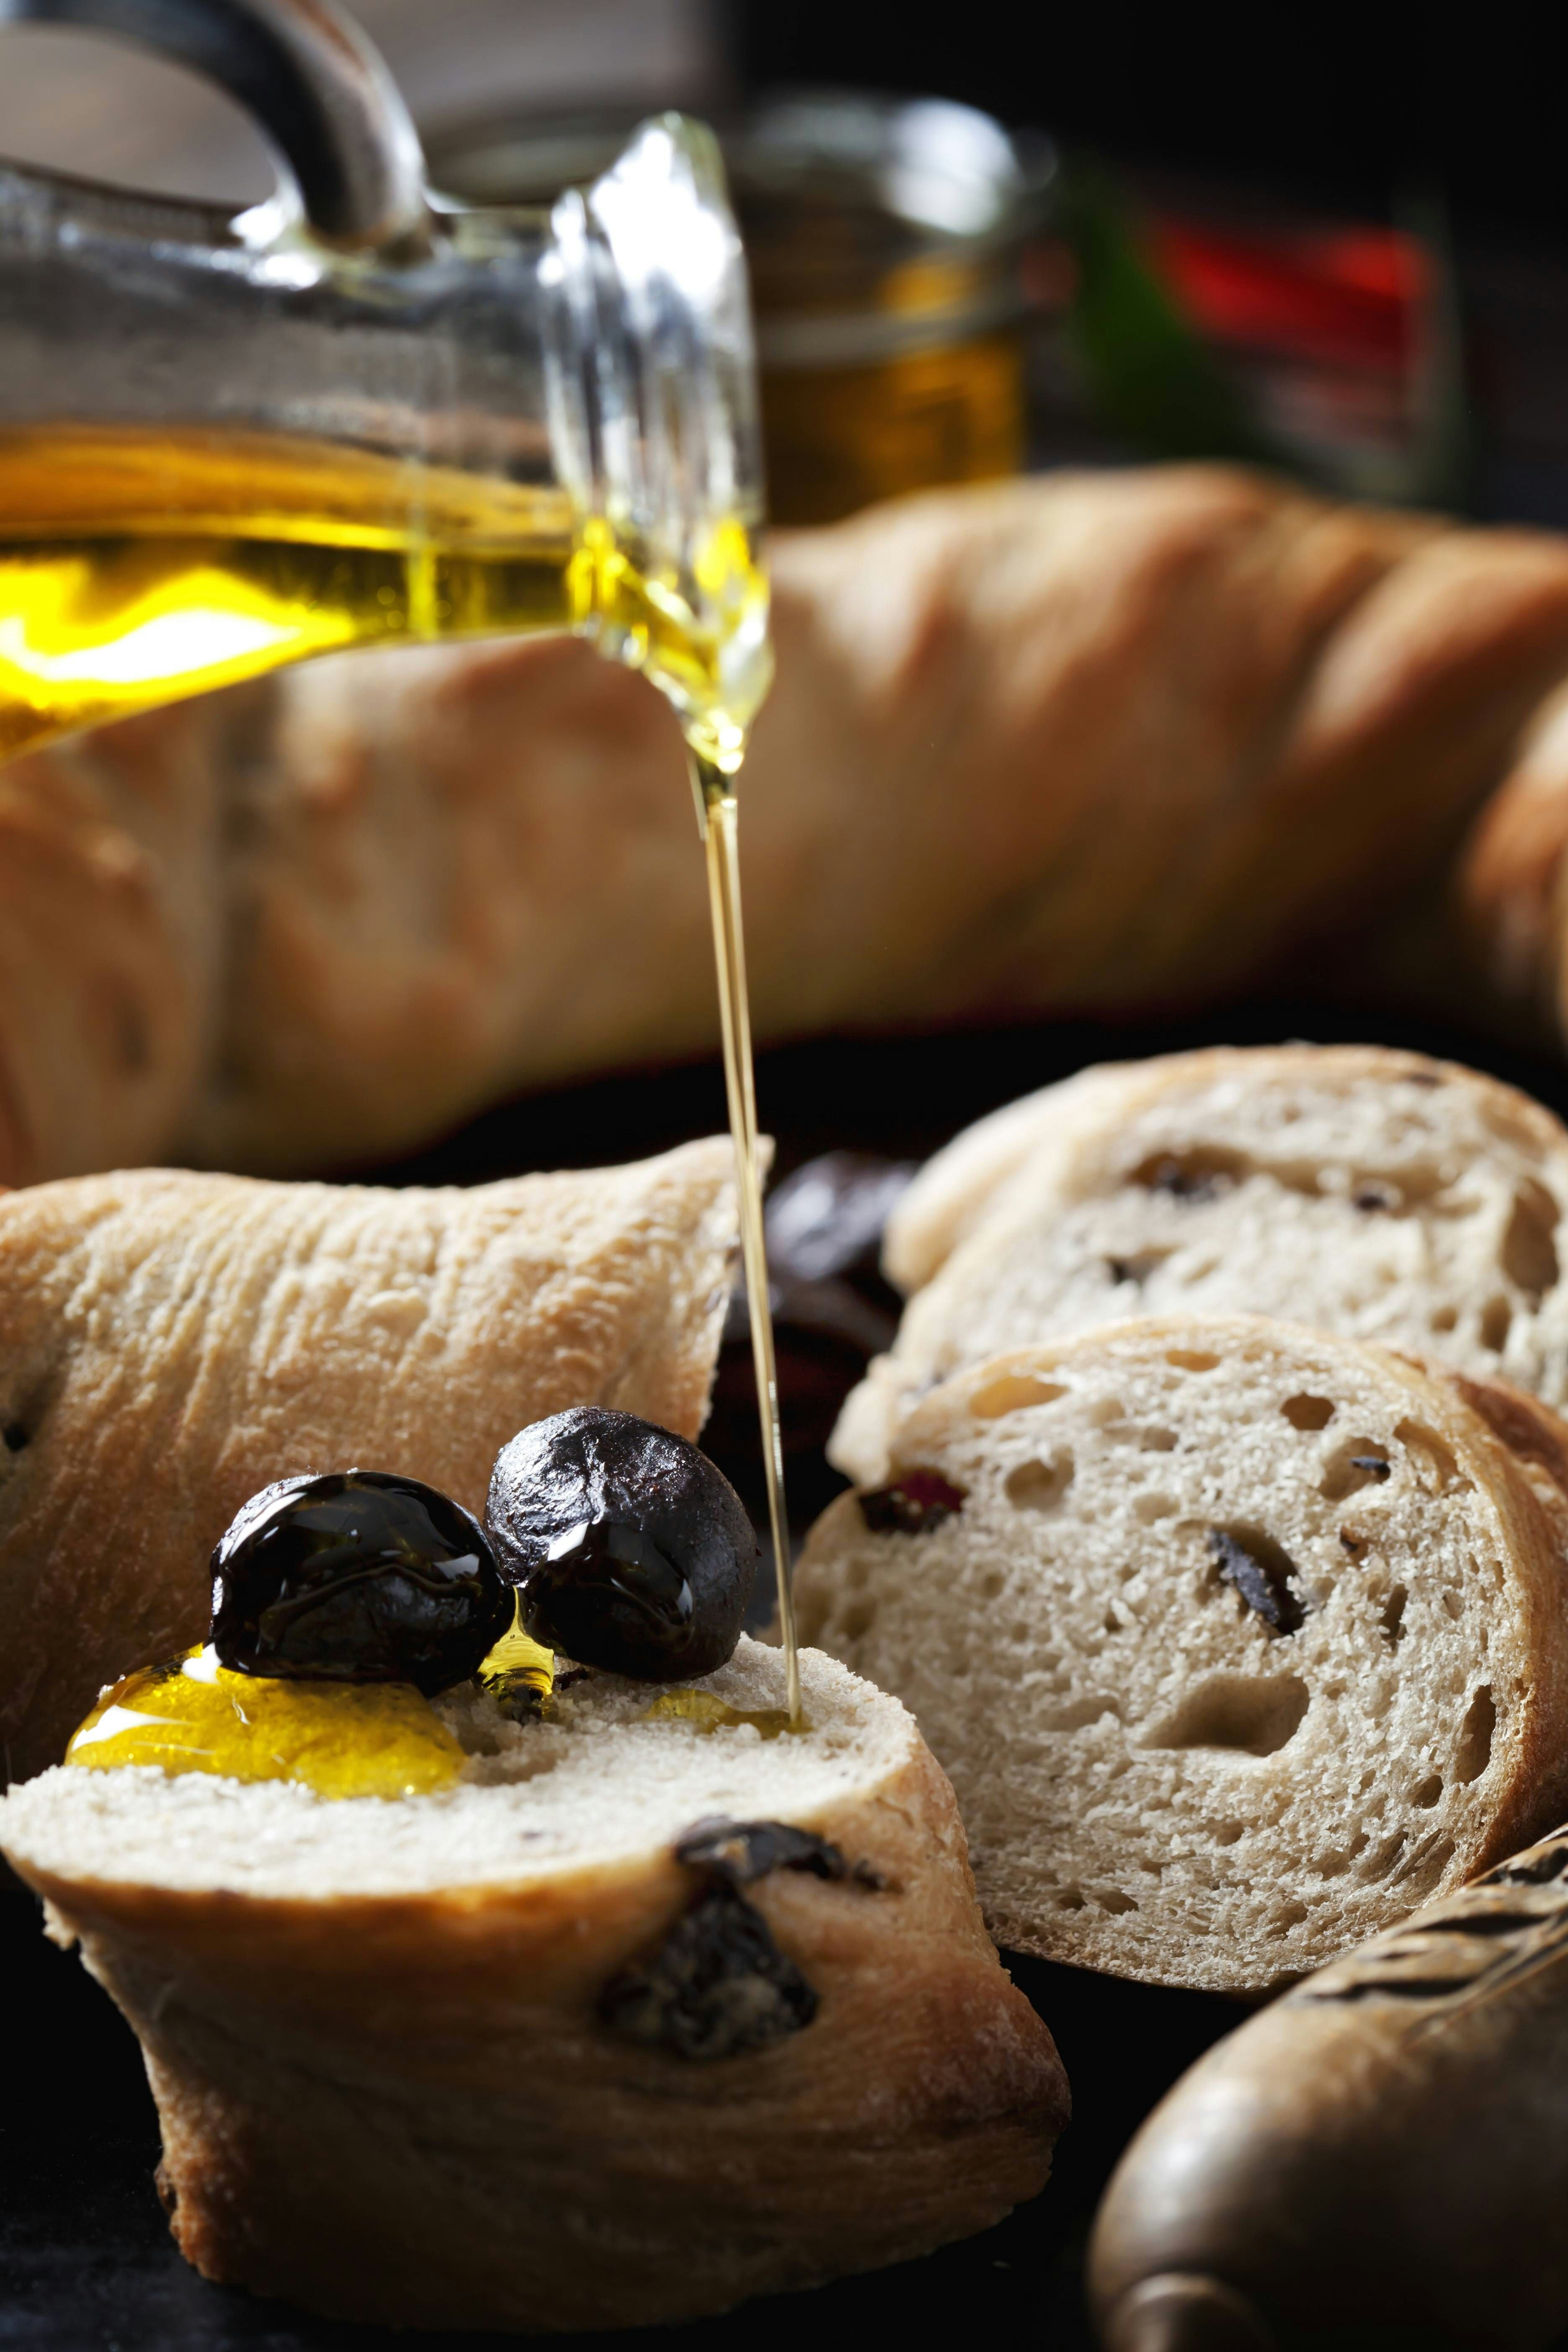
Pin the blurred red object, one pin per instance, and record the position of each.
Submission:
(1345, 298)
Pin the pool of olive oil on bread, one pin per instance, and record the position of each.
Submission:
(379, 2029)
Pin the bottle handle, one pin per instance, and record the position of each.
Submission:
(312, 80)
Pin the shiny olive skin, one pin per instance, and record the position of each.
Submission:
(630, 1550)
(357, 1576)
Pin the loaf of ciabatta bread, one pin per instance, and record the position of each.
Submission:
(1237, 1641)
(1378, 1194)
(641, 2018)
(174, 1343)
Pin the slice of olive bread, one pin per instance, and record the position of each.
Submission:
(1357, 1188)
(641, 2018)
(1237, 1641)
(173, 1343)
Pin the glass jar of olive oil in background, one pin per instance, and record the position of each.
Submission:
(888, 244)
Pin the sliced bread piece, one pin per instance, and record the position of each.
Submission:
(499, 2058)
(1237, 1641)
(172, 1343)
(1360, 1189)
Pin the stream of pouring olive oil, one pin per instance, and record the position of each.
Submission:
(137, 567)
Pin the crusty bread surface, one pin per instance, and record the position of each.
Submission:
(1378, 1194)
(1238, 1641)
(1088, 741)
(172, 1342)
(373, 2033)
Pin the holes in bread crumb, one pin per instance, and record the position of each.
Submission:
(1037, 1486)
(1308, 1412)
(1289, 1915)
(1359, 1462)
(1138, 1268)
(1197, 1175)
(1474, 1751)
(991, 1586)
(1146, 1438)
(1251, 1714)
(1012, 1393)
(1226, 1832)
(1191, 1360)
(1497, 1316)
(1431, 1456)
(1337, 1860)
(1375, 1195)
(15, 1435)
(1443, 1319)
(1453, 1603)
(1079, 1712)
(1390, 1616)
(1528, 1252)
(1113, 1899)
(1068, 1898)
(1423, 1866)
(1150, 1507)
(1381, 1859)
(1426, 1793)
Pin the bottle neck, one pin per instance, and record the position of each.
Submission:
(650, 392)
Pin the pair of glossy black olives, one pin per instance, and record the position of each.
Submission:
(625, 1548)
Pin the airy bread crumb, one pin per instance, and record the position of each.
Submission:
(1161, 1776)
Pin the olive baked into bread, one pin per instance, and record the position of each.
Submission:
(1376, 1194)
(642, 2014)
(173, 1342)
(1237, 1641)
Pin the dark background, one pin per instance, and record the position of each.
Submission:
(1351, 114)
(1340, 107)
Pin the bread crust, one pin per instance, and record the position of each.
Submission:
(1089, 742)
(404, 2109)
(1005, 1184)
(1510, 1446)
(172, 1342)
(963, 1183)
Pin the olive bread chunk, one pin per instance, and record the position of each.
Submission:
(640, 2018)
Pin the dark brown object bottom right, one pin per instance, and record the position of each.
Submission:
(1378, 2159)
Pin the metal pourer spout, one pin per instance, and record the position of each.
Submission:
(314, 84)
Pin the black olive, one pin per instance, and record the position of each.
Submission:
(630, 1550)
(358, 1577)
(717, 1986)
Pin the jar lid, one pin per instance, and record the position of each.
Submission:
(872, 224)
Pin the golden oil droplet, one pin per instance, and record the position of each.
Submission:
(340, 1739)
(710, 1714)
(519, 1673)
